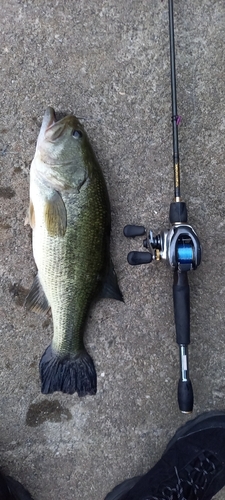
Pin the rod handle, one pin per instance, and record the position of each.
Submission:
(185, 396)
(181, 301)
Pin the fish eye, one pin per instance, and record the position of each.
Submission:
(77, 134)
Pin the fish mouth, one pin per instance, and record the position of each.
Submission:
(55, 129)
(49, 119)
(52, 129)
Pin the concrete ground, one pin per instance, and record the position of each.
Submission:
(108, 62)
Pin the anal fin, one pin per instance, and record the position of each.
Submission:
(36, 299)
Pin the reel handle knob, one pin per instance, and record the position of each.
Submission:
(130, 231)
(137, 258)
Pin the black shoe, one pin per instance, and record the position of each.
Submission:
(10, 489)
(191, 468)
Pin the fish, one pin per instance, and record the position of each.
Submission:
(10, 489)
(69, 213)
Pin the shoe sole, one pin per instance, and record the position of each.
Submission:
(207, 420)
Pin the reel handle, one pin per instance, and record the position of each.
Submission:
(131, 230)
(138, 258)
(181, 300)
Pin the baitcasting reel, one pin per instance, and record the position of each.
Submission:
(179, 246)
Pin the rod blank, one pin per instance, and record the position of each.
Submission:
(176, 163)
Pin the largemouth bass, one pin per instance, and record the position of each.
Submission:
(69, 214)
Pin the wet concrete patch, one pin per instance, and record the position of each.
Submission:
(44, 411)
(7, 192)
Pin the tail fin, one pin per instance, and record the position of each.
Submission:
(120, 491)
(69, 373)
(11, 489)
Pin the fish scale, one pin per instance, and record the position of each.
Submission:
(70, 218)
(73, 285)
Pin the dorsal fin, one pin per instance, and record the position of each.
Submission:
(110, 288)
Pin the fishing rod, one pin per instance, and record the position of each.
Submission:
(179, 245)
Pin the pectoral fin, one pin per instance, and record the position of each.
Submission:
(55, 215)
(30, 218)
(36, 299)
(110, 288)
